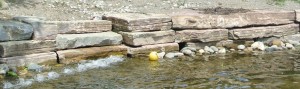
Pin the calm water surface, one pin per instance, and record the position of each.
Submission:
(231, 71)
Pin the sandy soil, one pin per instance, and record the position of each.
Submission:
(86, 9)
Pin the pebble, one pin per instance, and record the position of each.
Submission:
(258, 45)
(201, 51)
(214, 48)
(35, 67)
(161, 55)
(270, 49)
(289, 46)
(188, 52)
(222, 51)
(3, 68)
(208, 49)
(173, 55)
(190, 48)
(241, 47)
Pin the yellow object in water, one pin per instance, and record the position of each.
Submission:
(153, 56)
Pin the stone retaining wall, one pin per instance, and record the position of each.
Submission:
(28, 39)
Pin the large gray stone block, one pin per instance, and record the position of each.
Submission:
(251, 18)
(49, 29)
(148, 38)
(134, 22)
(66, 41)
(260, 32)
(201, 35)
(13, 31)
(49, 57)
(19, 48)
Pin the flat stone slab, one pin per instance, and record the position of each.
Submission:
(132, 22)
(75, 55)
(143, 28)
(201, 35)
(295, 37)
(20, 48)
(49, 29)
(13, 31)
(260, 32)
(49, 57)
(67, 41)
(145, 50)
(297, 15)
(148, 38)
(251, 18)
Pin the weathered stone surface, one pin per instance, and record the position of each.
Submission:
(75, 55)
(13, 30)
(143, 28)
(295, 37)
(132, 19)
(19, 48)
(49, 29)
(145, 50)
(252, 18)
(148, 38)
(65, 41)
(201, 35)
(297, 15)
(49, 57)
(133, 22)
(260, 32)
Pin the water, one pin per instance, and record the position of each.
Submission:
(230, 71)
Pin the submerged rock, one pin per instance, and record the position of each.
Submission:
(188, 52)
(3, 68)
(35, 67)
(173, 55)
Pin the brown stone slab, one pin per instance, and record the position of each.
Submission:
(135, 19)
(49, 57)
(47, 30)
(75, 55)
(146, 49)
(251, 18)
(19, 48)
(260, 32)
(201, 35)
(143, 28)
(148, 38)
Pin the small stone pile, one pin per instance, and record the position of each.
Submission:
(144, 33)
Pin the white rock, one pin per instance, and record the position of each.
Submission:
(214, 48)
(201, 51)
(241, 47)
(294, 42)
(222, 51)
(161, 55)
(289, 46)
(258, 45)
(208, 49)
(188, 52)
(172, 55)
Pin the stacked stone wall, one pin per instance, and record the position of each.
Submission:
(28, 39)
